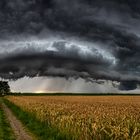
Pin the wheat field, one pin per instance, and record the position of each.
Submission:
(87, 117)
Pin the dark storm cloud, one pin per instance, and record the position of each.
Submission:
(111, 27)
(128, 85)
(59, 59)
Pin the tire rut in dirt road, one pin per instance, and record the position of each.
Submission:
(16, 125)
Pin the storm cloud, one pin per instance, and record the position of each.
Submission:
(93, 40)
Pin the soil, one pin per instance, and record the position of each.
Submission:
(19, 130)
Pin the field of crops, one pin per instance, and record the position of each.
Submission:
(87, 117)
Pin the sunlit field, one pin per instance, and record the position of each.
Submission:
(86, 117)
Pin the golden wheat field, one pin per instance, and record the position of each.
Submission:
(87, 117)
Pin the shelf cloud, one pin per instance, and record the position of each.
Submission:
(92, 40)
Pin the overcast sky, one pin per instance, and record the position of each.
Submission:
(59, 85)
(49, 85)
(76, 43)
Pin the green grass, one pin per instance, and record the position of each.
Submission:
(42, 130)
(6, 132)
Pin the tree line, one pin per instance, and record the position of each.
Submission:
(4, 88)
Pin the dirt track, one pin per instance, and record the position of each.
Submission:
(16, 125)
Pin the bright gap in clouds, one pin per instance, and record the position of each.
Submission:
(50, 85)
(60, 85)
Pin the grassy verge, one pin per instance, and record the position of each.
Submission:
(6, 132)
(42, 130)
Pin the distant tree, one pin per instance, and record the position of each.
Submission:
(4, 88)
